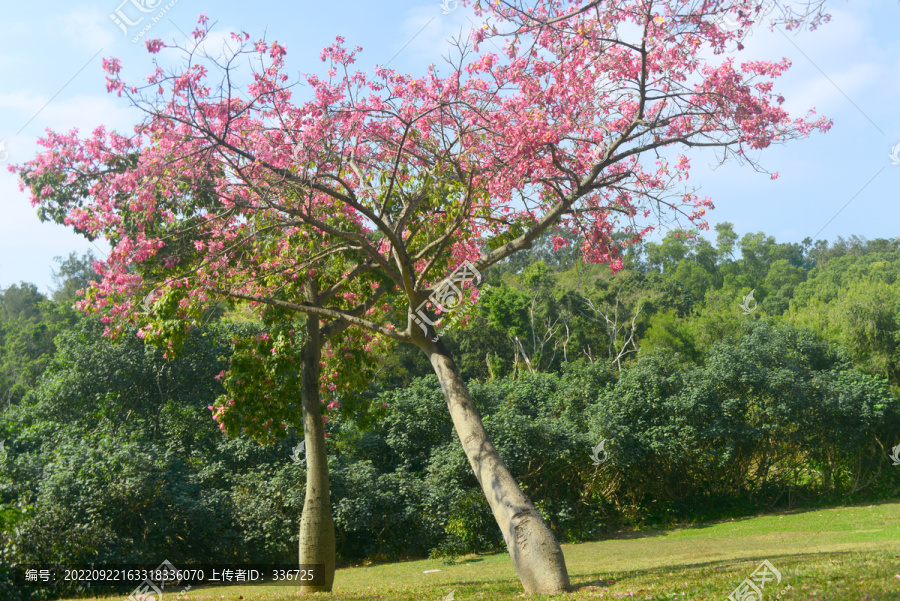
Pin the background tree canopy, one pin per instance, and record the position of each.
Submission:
(707, 412)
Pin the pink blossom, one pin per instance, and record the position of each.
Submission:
(534, 149)
(112, 65)
(154, 46)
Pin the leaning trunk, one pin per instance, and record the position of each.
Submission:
(317, 524)
(535, 552)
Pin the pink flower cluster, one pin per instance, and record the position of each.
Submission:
(406, 176)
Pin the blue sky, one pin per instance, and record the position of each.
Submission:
(837, 184)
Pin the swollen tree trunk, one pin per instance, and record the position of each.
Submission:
(317, 524)
(535, 552)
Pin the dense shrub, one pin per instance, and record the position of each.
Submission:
(772, 415)
(380, 515)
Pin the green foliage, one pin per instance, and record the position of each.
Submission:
(263, 499)
(262, 383)
(126, 388)
(111, 451)
(415, 421)
(666, 331)
(471, 526)
(75, 273)
(380, 515)
(771, 413)
(28, 324)
(117, 456)
(507, 310)
(854, 301)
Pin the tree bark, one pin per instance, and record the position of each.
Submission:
(534, 550)
(317, 544)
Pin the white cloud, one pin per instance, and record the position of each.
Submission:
(27, 246)
(83, 111)
(428, 33)
(218, 43)
(90, 29)
(841, 51)
(830, 94)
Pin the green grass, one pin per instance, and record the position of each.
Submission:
(840, 554)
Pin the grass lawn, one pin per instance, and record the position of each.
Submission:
(840, 554)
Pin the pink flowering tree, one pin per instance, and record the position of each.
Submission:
(278, 377)
(582, 124)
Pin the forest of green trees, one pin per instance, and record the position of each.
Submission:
(711, 403)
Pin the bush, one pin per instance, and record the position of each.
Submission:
(773, 415)
(379, 515)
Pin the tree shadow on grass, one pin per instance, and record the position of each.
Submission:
(637, 534)
(587, 580)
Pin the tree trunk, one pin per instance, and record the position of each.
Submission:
(317, 523)
(535, 552)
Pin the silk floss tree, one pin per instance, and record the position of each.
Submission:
(269, 369)
(579, 126)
